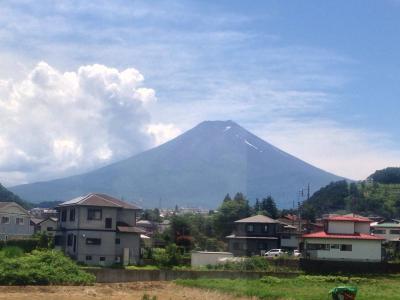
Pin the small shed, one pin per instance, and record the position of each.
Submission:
(203, 258)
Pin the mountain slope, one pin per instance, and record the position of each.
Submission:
(8, 196)
(197, 168)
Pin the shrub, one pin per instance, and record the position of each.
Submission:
(167, 257)
(42, 268)
(11, 252)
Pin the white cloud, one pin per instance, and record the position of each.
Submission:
(349, 152)
(163, 132)
(55, 124)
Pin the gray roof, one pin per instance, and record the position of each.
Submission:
(257, 219)
(4, 204)
(102, 200)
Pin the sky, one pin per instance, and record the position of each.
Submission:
(87, 83)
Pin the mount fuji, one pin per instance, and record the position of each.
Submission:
(197, 168)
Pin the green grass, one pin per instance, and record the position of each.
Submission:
(301, 288)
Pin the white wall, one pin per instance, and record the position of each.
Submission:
(341, 227)
(387, 235)
(362, 227)
(362, 250)
(208, 258)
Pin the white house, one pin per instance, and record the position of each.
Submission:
(387, 229)
(14, 221)
(344, 238)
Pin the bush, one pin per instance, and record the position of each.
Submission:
(27, 245)
(42, 268)
(168, 257)
(11, 252)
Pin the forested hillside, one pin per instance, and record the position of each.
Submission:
(7, 196)
(380, 195)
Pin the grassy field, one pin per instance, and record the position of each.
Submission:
(301, 288)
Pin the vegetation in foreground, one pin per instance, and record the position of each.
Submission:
(40, 267)
(300, 288)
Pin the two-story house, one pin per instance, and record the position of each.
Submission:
(14, 221)
(98, 229)
(388, 229)
(345, 238)
(254, 235)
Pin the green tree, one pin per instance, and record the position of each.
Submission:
(268, 206)
(229, 212)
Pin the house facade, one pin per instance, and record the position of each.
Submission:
(47, 226)
(387, 229)
(254, 235)
(345, 238)
(14, 221)
(98, 229)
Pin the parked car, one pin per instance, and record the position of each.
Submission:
(274, 253)
(296, 253)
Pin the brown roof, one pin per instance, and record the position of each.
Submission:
(130, 229)
(4, 204)
(257, 219)
(103, 200)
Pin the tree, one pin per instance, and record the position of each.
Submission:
(268, 205)
(229, 212)
(227, 198)
(386, 176)
(152, 215)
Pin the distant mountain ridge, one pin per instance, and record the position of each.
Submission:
(196, 168)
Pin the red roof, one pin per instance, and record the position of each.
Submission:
(348, 219)
(356, 236)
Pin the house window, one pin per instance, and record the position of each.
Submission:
(379, 231)
(19, 221)
(117, 241)
(94, 214)
(285, 236)
(108, 223)
(88, 257)
(346, 247)
(236, 246)
(324, 247)
(394, 231)
(265, 228)
(335, 246)
(63, 215)
(70, 239)
(102, 258)
(5, 220)
(72, 214)
(93, 241)
(250, 228)
(49, 228)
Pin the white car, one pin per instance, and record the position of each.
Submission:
(274, 253)
(296, 253)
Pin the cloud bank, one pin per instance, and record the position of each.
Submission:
(55, 124)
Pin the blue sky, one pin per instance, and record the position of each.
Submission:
(317, 79)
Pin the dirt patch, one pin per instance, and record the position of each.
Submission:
(116, 291)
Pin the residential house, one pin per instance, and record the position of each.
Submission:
(98, 229)
(387, 229)
(47, 226)
(290, 237)
(345, 238)
(254, 235)
(14, 221)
